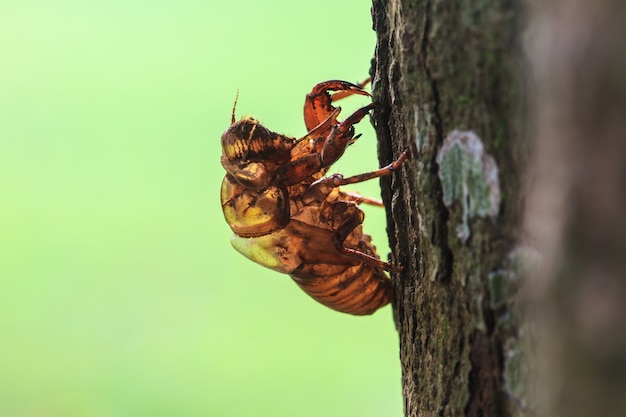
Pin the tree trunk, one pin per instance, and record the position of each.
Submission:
(447, 79)
(576, 212)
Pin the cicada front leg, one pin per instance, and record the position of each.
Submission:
(342, 135)
(327, 148)
(343, 94)
(318, 103)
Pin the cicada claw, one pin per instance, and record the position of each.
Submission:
(319, 102)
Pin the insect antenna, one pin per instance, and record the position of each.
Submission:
(232, 116)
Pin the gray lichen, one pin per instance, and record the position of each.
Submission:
(470, 176)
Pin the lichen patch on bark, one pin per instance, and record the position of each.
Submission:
(470, 176)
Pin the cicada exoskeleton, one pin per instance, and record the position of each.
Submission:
(288, 216)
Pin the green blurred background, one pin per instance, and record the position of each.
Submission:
(120, 294)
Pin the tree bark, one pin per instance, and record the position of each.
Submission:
(448, 81)
(446, 77)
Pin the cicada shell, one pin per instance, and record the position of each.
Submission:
(287, 215)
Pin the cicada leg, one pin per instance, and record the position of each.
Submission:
(318, 103)
(343, 94)
(337, 180)
(356, 218)
(324, 186)
(359, 199)
(327, 149)
(342, 135)
(344, 231)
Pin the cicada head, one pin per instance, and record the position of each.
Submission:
(252, 153)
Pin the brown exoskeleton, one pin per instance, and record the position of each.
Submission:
(289, 217)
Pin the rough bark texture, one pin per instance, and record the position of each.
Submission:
(446, 76)
(577, 204)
